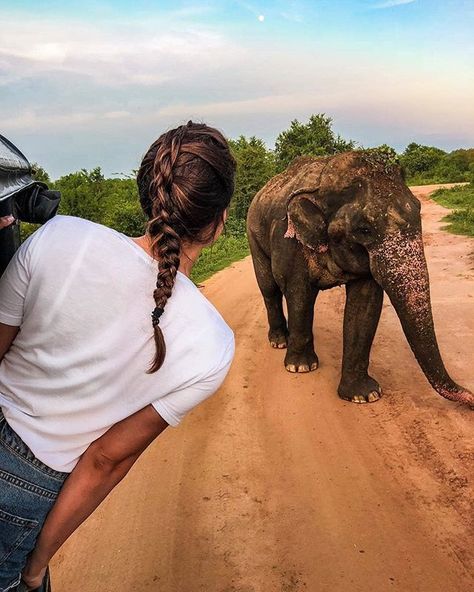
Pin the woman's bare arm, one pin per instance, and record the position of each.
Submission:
(100, 468)
(7, 335)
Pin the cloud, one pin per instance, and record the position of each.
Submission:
(31, 119)
(117, 114)
(127, 54)
(391, 3)
(72, 92)
(259, 82)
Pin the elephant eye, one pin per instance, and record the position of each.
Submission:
(363, 230)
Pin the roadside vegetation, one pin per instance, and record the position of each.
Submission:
(225, 251)
(461, 201)
(425, 165)
(114, 201)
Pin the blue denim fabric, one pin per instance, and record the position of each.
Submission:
(28, 489)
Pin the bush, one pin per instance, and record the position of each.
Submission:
(223, 252)
(428, 164)
(461, 199)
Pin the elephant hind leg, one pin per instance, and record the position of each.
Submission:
(272, 296)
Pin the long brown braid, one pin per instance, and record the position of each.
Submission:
(185, 183)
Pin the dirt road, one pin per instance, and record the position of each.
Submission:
(277, 485)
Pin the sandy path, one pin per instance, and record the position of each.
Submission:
(276, 485)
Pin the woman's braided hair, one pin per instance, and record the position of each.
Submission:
(185, 183)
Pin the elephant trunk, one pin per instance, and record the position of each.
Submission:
(398, 264)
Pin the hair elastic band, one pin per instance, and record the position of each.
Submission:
(156, 314)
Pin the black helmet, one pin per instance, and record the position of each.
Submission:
(21, 196)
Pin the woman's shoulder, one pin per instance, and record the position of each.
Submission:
(67, 226)
(198, 313)
(64, 221)
(59, 241)
(64, 231)
(40, 242)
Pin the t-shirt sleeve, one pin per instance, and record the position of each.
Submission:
(14, 284)
(174, 406)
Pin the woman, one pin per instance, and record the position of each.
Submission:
(87, 379)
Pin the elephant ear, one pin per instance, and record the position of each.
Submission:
(306, 222)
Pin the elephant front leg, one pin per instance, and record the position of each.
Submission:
(364, 299)
(300, 356)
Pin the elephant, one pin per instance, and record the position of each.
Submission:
(349, 219)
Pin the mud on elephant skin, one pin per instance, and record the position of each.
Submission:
(345, 219)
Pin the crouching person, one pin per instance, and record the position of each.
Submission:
(104, 342)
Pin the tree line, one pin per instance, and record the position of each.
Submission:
(114, 201)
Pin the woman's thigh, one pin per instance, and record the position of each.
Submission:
(28, 489)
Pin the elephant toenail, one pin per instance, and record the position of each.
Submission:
(291, 368)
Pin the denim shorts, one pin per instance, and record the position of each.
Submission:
(28, 489)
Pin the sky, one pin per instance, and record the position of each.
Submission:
(94, 83)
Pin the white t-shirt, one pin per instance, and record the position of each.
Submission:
(82, 295)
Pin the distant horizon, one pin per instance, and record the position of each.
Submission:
(130, 174)
(93, 83)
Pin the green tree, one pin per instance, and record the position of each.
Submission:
(40, 174)
(255, 166)
(123, 211)
(83, 194)
(462, 159)
(418, 159)
(458, 165)
(315, 138)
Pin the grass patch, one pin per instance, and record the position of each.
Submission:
(223, 252)
(461, 200)
(433, 180)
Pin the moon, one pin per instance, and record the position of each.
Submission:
(261, 18)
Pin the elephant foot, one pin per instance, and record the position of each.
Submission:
(278, 339)
(301, 362)
(360, 390)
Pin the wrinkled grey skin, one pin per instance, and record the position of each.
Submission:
(346, 219)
